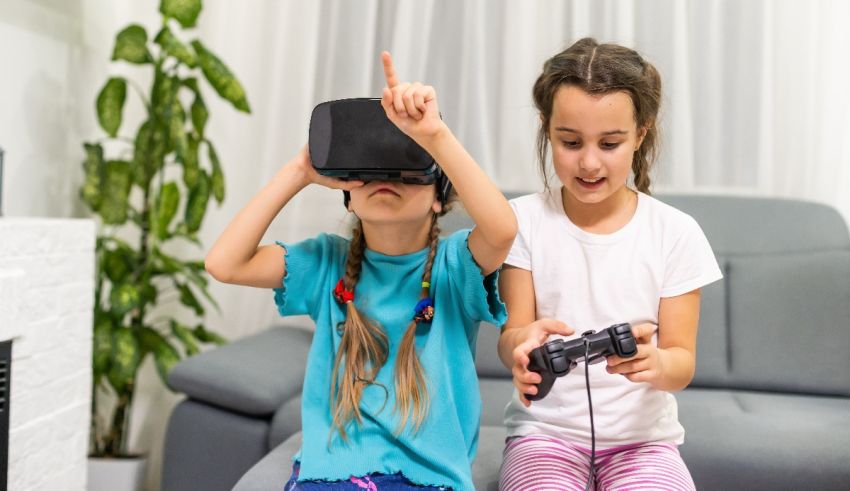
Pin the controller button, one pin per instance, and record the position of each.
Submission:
(559, 364)
(587, 333)
(553, 347)
(628, 346)
(622, 329)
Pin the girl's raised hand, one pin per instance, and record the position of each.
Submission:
(410, 106)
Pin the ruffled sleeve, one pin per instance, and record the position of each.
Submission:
(479, 294)
(310, 269)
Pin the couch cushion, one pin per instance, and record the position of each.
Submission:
(487, 361)
(495, 394)
(272, 363)
(712, 364)
(286, 422)
(488, 460)
(751, 440)
(193, 428)
(790, 319)
(272, 472)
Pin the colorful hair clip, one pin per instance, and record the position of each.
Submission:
(342, 295)
(424, 310)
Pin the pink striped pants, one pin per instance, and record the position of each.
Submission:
(539, 462)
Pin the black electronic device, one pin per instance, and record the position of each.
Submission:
(556, 358)
(352, 139)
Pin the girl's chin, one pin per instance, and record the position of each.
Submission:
(587, 196)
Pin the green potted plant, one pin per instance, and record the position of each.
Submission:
(152, 190)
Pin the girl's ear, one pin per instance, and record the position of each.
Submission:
(641, 135)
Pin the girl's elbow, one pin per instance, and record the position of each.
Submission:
(217, 270)
(511, 229)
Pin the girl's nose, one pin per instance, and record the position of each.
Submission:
(589, 163)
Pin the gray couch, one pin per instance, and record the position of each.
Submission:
(769, 407)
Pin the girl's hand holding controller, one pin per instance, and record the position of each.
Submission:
(646, 365)
(535, 335)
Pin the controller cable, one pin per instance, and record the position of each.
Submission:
(591, 478)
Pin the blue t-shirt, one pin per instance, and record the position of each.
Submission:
(441, 452)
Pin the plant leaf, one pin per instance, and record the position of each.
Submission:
(175, 48)
(101, 346)
(148, 294)
(93, 166)
(196, 207)
(110, 105)
(165, 356)
(123, 298)
(205, 336)
(169, 264)
(189, 299)
(183, 11)
(118, 263)
(185, 335)
(199, 108)
(199, 114)
(126, 357)
(190, 269)
(131, 45)
(116, 190)
(149, 154)
(221, 78)
(191, 168)
(167, 202)
(217, 174)
(163, 95)
(177, 132)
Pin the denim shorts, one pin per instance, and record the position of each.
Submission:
(371, 482)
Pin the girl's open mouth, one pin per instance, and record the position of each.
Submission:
(593, 183)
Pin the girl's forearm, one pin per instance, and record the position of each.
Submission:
(509, 339)
(238, 243)
(677, 369)
(481, 198)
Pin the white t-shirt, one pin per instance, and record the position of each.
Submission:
(591, 281)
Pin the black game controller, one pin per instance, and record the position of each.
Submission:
(556, 358)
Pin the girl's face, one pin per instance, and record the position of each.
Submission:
(394, 202)
(593, 139)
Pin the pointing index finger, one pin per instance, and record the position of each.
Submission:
(389, 69)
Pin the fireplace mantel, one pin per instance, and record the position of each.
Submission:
(46, 299)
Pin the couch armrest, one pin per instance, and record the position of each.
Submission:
(254, 375)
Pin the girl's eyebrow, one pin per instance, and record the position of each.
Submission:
(604, 133)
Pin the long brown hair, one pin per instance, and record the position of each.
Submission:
(364, 346)
(602, 69)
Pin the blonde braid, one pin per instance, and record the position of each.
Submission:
(362, 350)
(410, 384)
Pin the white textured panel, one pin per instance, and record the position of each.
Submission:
(46, 299)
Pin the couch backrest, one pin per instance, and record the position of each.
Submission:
(780, 319)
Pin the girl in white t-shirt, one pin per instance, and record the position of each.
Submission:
(594, 252)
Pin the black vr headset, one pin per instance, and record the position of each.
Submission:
(352, 139)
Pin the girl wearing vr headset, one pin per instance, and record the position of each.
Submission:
(390, 397)
(593, 252)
